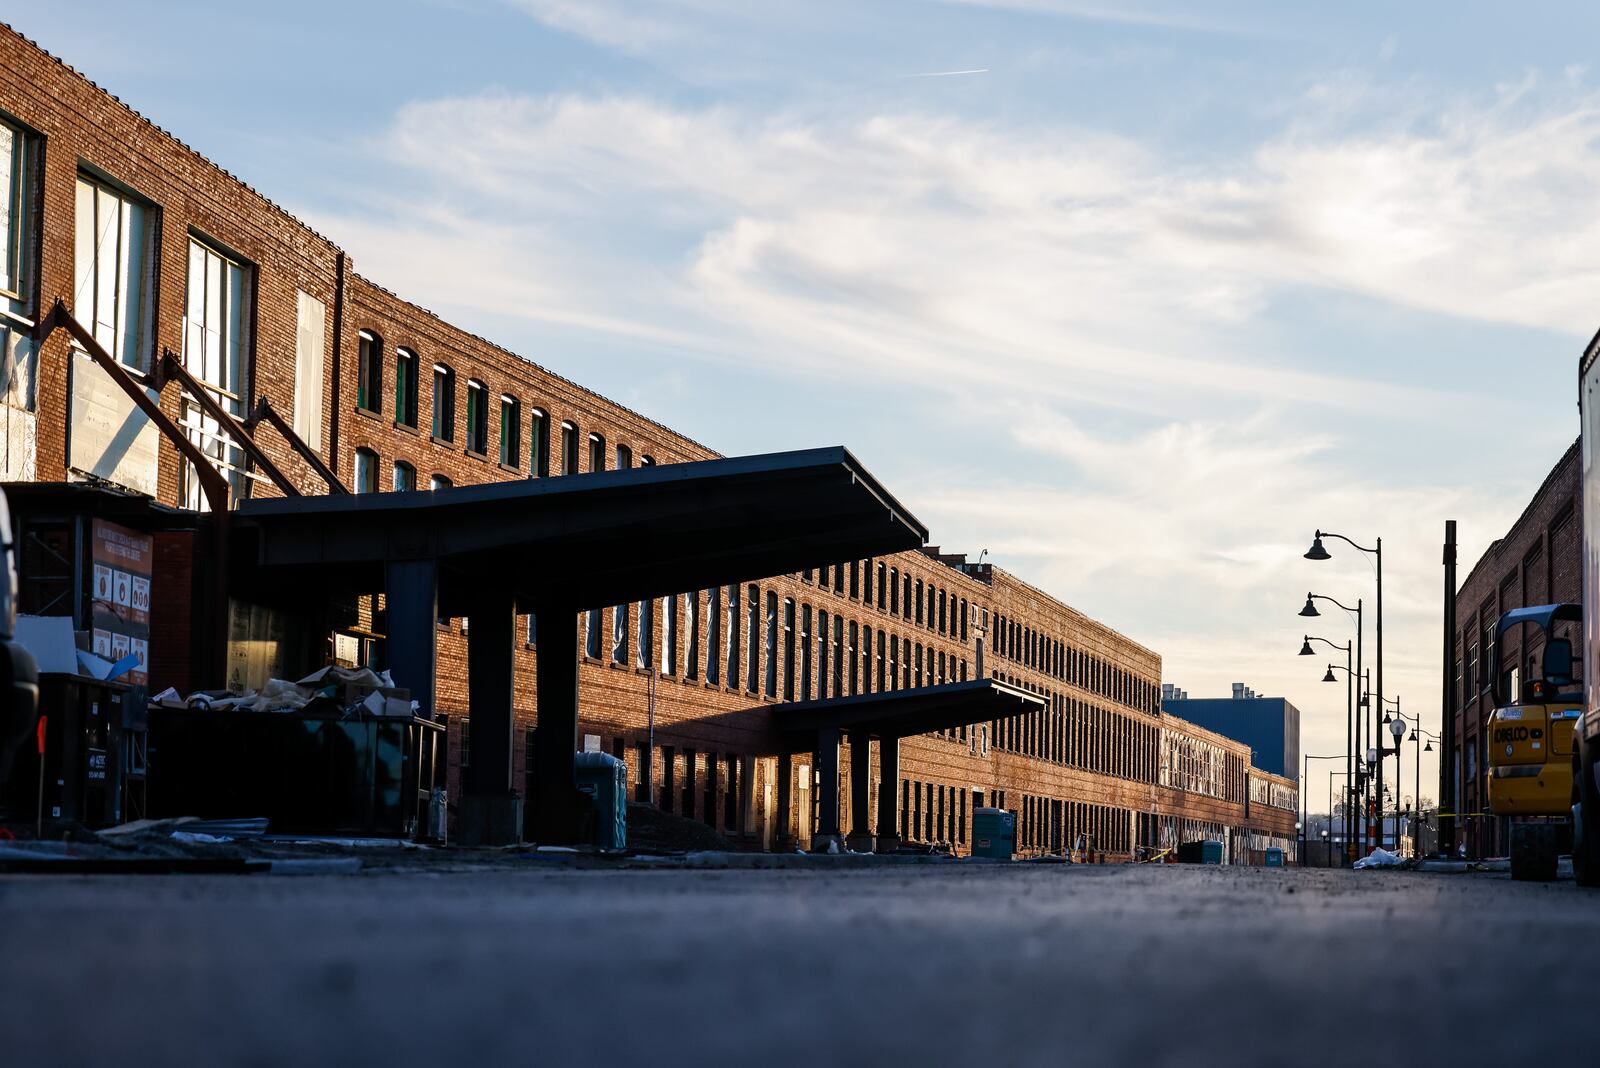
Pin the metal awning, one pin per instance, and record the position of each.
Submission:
(587, 541)
(899, 713)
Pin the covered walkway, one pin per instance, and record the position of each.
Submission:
(554, 548)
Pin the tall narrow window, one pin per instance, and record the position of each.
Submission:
(770, 653)
(510, 431)
(849, 656)
(366, 471)
(788, 649)
(822, 655)
(805, 652)
(919, 601)
(216, 318)
(879, 656)
(733, 636)
(894, 591)
(840, 655)
(592, 622)
(405, 477)
(619, 634)
(883, 593)
(569, 448)
(669, 636)
(444, 403)
(866, 583)
(646, 639)
(113, 241)
(752, 675)
(894, 662)
(597, 452)
(17, 152)
(691, 654)
(714, 635)
(855, 580)
(539, 443)
(477, 418)
(369, 372)
(405, 387)
(624, 458)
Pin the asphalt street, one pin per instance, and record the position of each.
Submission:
(962, 964)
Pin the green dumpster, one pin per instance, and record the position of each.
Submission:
(605, 779)
(1274, 856)
(994, 833)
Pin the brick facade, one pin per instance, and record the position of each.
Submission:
(1091, 763)
(1538, 561)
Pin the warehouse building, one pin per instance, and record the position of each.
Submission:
(182, 355)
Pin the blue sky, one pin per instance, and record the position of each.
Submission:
(1162, 289)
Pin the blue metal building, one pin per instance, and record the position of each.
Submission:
(1270, 726)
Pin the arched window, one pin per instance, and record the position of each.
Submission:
(510, 431)
(624, 458)
(439, 482)
(405, 477)
(646, 460)
(444, 403)
(539, 443)
(366, 471)
(597, 452)
(569, 448)
(369, 370)
(405, 387)
(477, 417)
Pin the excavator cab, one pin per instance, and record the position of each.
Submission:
(1529, 739)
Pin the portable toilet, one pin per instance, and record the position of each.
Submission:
(994, 833)
(605, 779)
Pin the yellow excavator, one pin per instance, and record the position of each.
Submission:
(1529, 738)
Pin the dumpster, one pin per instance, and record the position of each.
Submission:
(994, 832)
(605, 779)
(1274, 856)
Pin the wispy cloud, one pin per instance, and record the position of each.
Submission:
(1095, 313)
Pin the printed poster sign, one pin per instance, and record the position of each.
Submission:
(120, 608)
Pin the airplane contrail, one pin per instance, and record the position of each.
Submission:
(949, 73)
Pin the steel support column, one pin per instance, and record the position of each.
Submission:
(411, 602)
(888, 838)
(558, 814)
(783, 835)
(491, 812)
(827, 791)
(860, 839)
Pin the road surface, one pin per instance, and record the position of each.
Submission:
(957, 964)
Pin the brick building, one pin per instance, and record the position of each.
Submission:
(175, 268)
(1538, 561)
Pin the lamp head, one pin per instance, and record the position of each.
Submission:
(1310, 609)
(1305, 648)
(1329, 676)
(1317, 552)
(1397, 727)
(1372, 757)
(1428, 748)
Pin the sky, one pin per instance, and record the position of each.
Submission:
(1134, 296)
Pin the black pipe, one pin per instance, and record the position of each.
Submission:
(1447, 729)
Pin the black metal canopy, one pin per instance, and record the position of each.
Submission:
(898, 713)
(586, 541)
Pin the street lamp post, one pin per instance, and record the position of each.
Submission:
(1352, 740)
(1305, 805)
(1354, 781)
(1317, 552)
(1397, 727)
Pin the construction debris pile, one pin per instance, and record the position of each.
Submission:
(351, 691)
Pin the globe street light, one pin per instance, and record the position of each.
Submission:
(1318, 552)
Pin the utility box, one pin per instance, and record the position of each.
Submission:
(994, 833)
(1274, 856)
(605, 779)
(1208, 851)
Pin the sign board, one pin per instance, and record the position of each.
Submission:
(119, 599)
(108, 436)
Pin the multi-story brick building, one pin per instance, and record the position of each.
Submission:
(175, 268)
(1538, 561)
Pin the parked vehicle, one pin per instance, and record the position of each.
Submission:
(1530, 738)
(1585, 797)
